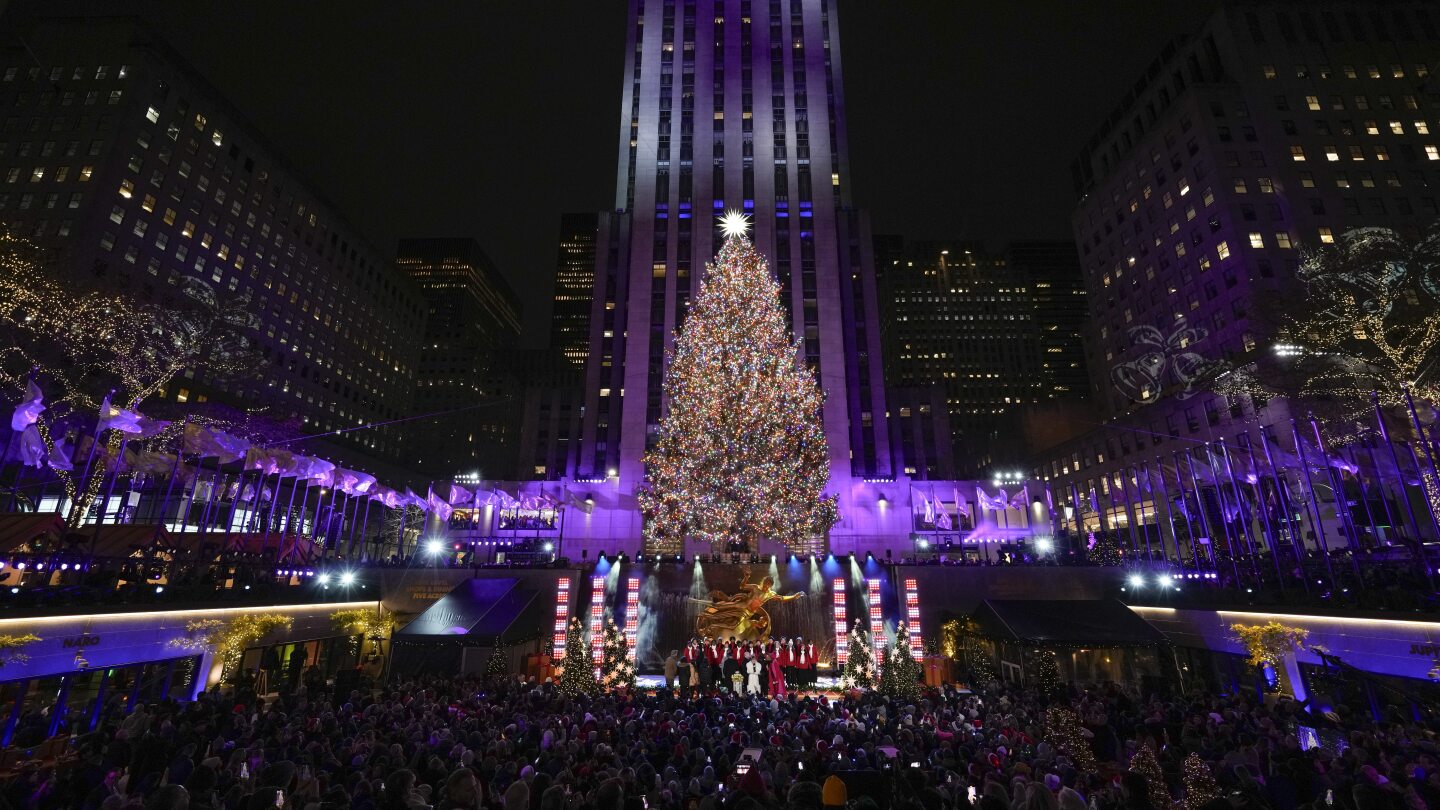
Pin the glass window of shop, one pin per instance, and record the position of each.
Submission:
(35, 710)
(292, 662)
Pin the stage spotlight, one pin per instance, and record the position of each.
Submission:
(347, 578)
(1044, 545)
(1166, 581)
(325, 579)
(1136, 581)
(434, 546)
(549, 547)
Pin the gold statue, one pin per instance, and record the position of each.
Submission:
(741, 614)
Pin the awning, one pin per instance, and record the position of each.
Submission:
(480, 610)
(1066, 623)
(24, 529)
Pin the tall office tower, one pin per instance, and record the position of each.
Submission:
(1057, 294)
(732, 104)
(139, 175)
(964, 319)
(574, 287)
(1274, 128)
(473, 321)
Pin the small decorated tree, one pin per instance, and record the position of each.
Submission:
(1104, 551)
(1047, 674)
(900, 677)
(1200, 785)
(616, 668)
(1145, 764)
(860, 665)
(577, 677)
(1063, 731)
(1269, 643)
(498, 663)
(229, 640)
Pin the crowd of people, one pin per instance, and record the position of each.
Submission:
(770, 668)
(458, 743)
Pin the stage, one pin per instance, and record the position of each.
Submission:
(824, 683)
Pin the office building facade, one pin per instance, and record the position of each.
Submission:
(139, 177)
(1273, 129)
(472, 323)
(574, 287)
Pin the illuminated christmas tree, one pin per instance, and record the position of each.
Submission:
(1063, 731)
(860, 663)
(577, 677)
(900, 677)
(616, 668)
(1145, 764)
(1047, 674)
(1200, 785)
(742, 452)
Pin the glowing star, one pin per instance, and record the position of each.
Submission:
(734, 223)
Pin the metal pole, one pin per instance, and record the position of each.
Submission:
(1404, 495)
(1434, 482)
(1231, 544)
(1319, 527)
(1342, 503)
(1164, 499)
(1240, 511)
(1189, 521)
(1269, 533)
(1205, 514)
(1282, 499)
(1136, 525)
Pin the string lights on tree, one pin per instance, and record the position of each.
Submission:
(742, 452)
(1200, 785)
(1064, 732)
(617, 670)
(859, 670)
(1144, 763)
(577, 676)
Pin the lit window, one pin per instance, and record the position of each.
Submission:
(183, 395)
(38, 174)
(1257, 240)
(658, 270)
(1396, 128)
(152, 115)
(1382, 153)
(86, 172)
(1307, 180)
(1332, 152)
(217, 137)
(1269, 71)
(1422, 128)
(148, 203)
(1312, 102)
(1372, 128)
(1223, 249)
(1240, 187)
(1266, 187)
(1432, 152)
(127, 188)
(1326, 237)
(1297, 153)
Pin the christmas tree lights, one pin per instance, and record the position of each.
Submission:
(1047, 674)
(859, 670)
(618, 671)
(1200, 785)
(577, 677)
(742, 452)
(1063, 731)
(1144, 763)
(900, 677)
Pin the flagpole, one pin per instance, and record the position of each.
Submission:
(1129, 510)
(1282, 495)
(1231, 545)
(1342, 504)
(288, 516)
(1429, 456)
(329, 516)
(1245, 527)
(89, 459)
(1319, 528)
(1404, 495)
(1364, 492)
(1200, 507)
(1169, 513)
(1269, 530)
(104, 504)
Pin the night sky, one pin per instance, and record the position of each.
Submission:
(488, 119)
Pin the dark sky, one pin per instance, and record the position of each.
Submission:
(488, 118)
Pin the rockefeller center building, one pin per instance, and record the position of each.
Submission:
(732, 104)
(1273, 129)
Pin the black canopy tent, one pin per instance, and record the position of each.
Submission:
(1090, 640)
(457, 633)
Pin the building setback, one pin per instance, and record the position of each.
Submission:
(1272, 129)
(473, 321)
(732, 104)
(140, 177)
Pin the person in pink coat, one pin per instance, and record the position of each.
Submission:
(777, 677)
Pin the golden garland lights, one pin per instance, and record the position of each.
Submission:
(229, 639)
(742, 452)
(10, 647)
(1269, 643)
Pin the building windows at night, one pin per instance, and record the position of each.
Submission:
(1326, 236)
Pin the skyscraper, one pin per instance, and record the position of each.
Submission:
(732, 104)
(473, 317)
(574, 287)
(1057, 294)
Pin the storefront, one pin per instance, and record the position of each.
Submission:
(78, 666)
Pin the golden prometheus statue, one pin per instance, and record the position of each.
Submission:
(741, 614)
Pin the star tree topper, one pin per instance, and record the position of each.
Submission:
(734, 223)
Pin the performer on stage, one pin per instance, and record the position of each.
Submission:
(753, 669)
(777, 678)
(704, 680)
(716, 653)
(730, 666)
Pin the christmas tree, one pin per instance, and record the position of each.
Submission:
(1063, 731)
(900, 677)
(577, 676)
(742, 451)
(1047, 674)
(616, 668)
(498, 663)
(1145, 764)
(860, 665)
(1104, 551)
(1200, 785)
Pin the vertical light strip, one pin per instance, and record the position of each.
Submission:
(597, 619)
(842, 630)
(632, 615)
(912, 615)
(877, 622)
(562, 618)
